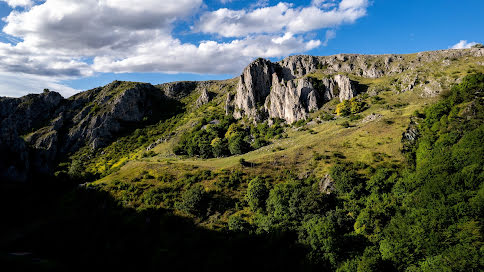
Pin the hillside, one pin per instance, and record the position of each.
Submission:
(342, 163)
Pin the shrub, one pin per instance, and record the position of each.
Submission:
(193, 200)
(257, 193)
(346, 124)
(237, 223)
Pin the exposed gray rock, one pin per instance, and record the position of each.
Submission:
(371, 118)
(297, 66)
(178, 90)
(204, 98)
(291, 100)
(345, 86)
(253, 88)
(326, 185)
(284, 95)
(432, 89)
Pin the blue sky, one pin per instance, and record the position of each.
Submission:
(70, 45)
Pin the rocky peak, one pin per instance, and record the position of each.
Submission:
(274, 90)
(253, 88)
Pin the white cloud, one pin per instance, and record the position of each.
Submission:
(353, 4)
(280, 18)
(18, 3)
(55, 40)
(18, 84)
(330, 34)
(207, 58)
(463, 44)
(324, 4)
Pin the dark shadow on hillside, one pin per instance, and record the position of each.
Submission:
(61, 228)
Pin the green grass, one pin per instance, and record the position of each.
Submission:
(372, 143)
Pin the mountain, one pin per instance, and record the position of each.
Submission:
(39, 131)
(338, 161)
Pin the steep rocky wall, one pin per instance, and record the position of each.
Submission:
(19, 116)
(36, 130)
(283, 89)
(270, 90)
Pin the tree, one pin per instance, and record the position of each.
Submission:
(257, 193)
(76, 170)
(237, 144)
(219, 147)
(193, 200)
(237, 223)
(343, 108)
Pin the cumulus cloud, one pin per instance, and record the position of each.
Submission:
(18, 84)
(208, 57)
(463, 44)
(54, 40)
(279, 18)
(18, 3)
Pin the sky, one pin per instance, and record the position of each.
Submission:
(70, 45)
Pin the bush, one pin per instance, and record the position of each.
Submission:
(237, 223)
(351, 106)
(193, 200)
(346, 124)
(257, 193)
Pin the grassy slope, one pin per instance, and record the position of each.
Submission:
(372, 142)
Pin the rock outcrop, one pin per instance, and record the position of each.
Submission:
(37, 130)
(287, 90)
(254, 86)
(270, 90)
(204, 98)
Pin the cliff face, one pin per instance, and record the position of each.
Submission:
(37, 130)
(273, 90)
(254, 86)
(19, 116)
(288, 90)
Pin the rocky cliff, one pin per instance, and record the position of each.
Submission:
(292, 88)
(38, 130)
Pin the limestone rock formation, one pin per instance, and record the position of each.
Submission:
(254, 86)
(284, 90)
(204, 98)
(291, 100)
(345, 86)
(272, 90)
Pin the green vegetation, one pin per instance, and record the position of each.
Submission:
(340, 194)
(218, 136)
(424, 215)
(352, 106)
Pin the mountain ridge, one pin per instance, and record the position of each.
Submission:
(289, 90)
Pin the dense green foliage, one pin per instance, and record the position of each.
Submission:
(422, 216)
(352, 106)
(218, 136)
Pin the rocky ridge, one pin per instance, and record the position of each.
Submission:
(288, 89)
(36, 131)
